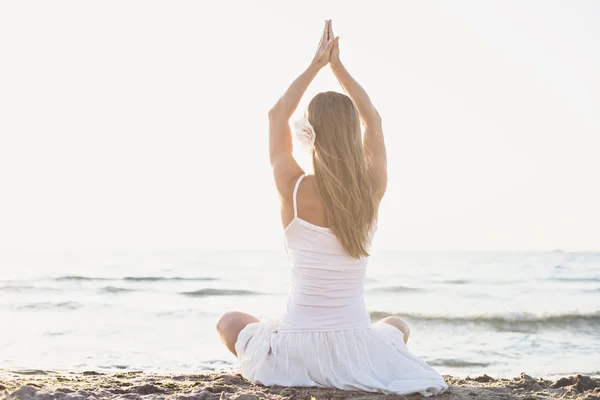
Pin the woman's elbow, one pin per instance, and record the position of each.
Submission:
(373, 121)
(376, 117)
(274, 113)
(279, 112)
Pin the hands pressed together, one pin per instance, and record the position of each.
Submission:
(328, 50)
(280, 142)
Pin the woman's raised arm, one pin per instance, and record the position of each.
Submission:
(373, 140)
(285, 168)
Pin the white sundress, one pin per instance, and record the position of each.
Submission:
(325, 338)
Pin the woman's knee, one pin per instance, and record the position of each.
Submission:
(229, 326)
(227, 320)
(234, 321)
(400, 325)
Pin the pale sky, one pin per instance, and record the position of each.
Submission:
(127, 124)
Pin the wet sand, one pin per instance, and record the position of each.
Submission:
(49, 385)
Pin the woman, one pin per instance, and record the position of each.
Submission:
(325, 338)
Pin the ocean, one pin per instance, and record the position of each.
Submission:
(470, 313)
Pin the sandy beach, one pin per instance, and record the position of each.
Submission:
(47, 385)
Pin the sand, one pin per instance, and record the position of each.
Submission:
(49, 385)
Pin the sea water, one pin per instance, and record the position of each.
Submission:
(469, 312)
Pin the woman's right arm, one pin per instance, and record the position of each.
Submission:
(373, 140)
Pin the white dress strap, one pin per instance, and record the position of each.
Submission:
(295, 194)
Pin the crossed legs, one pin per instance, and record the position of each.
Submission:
(231, 324)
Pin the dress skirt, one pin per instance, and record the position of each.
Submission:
(373, 359)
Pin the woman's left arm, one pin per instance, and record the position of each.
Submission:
(285, 168)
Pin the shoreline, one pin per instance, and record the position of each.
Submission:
(132, 385)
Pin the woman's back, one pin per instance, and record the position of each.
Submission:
(326, 287)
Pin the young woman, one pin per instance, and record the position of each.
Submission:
(325, 338)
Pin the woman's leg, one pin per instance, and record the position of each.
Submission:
(398, 323)
(230, 325)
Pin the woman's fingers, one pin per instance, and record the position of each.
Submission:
(330, 29)
(329, 46)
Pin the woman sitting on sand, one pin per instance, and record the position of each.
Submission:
(325, 338)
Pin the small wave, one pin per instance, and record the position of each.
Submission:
(160, 278)
(67, 305)
(219, 292)
(569, 279)
(451, 362)
(511, 322)
(57, 333)
(457, 281)
(396, 289)
(9, 288)
(114, 289)
(133, 278)
(79, 278)
(30, 372)
(117, 366)
(15, 288)
(187, 313)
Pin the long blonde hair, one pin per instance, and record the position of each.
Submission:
(343, 180)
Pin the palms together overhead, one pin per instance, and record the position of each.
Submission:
(328, 49)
